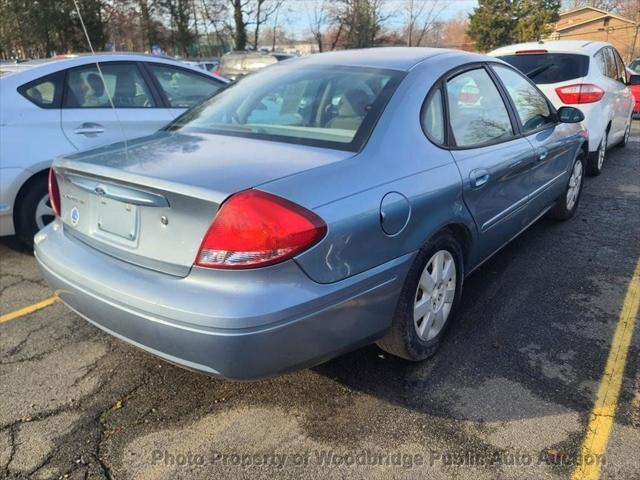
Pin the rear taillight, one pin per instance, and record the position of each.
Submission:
(54, 192)
(255, 229)
(580, 93)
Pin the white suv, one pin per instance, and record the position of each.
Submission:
(589, 75)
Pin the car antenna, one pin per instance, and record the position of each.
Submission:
(104, 83)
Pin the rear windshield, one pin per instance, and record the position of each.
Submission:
(545, 68)
(328, 106)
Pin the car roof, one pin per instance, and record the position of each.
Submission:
(566, 46)
(26, 71)
(394, 58)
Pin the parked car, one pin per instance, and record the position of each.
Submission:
(246, 245)
(209, 65)
(588, 74)
(635, 65)
(58, 107)
(634, 86)
(235, 65)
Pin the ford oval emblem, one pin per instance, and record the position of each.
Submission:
(100, 191)
(75, 216)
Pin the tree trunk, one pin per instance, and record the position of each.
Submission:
(240, 34)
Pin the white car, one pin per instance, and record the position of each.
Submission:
(584, 74)
(58, 107)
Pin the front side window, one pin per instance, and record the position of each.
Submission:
(433, 117)
(531, 106)
(123, 83)
(330, 106)
(182, 88)
(44, 92)
(477, 112)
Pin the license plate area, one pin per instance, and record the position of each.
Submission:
(117, 219)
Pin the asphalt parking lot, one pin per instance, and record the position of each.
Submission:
(508, 396)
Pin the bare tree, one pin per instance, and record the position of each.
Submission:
(319, 20)
(421, 17)
(264, 10)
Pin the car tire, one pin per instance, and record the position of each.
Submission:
(440, 304)
(627, 133)
(596, 159)
(567, 203)
(33, 210)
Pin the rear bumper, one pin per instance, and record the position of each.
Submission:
(238, 324)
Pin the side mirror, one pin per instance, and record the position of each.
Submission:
(570, 115)
(634, 80)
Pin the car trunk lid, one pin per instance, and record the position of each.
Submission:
(152, 204)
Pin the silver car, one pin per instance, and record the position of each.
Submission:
(319, 205)
(61, 106)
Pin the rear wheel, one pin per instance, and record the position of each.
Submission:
(428, 300)
(567, 203)
(33, 210)
(627, 133)
(596, 159)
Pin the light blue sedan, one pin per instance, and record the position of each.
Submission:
(316, 206)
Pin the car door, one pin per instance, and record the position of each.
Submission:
(614, 93)
(182, 88)
(552, 141)
(88, 118)
(626, 97)
(494, 162)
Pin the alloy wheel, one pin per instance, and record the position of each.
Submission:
(575, 181)
(434, 295)
(627, 133)
(44, 213)
(602, 151)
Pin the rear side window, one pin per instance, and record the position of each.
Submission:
(45, 92)
(433, 117)
(544, 68)
(477, 112)
(182, 88)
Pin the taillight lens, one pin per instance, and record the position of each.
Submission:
(255, 229)
(54, 192)
(580, 93)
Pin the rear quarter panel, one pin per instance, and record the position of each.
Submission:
(398, 158)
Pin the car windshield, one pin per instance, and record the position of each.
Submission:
(334, 107)
(635, 66)
(545, 68)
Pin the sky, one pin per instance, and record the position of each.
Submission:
(296, 13)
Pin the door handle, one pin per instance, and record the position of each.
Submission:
(479, 178)
(89, 129)
(543, 153)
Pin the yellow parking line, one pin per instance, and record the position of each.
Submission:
(27, 310)
(601, 419)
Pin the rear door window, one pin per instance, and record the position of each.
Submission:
(123, 84)
(545, 68)
(622, 74)
(477, 113)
